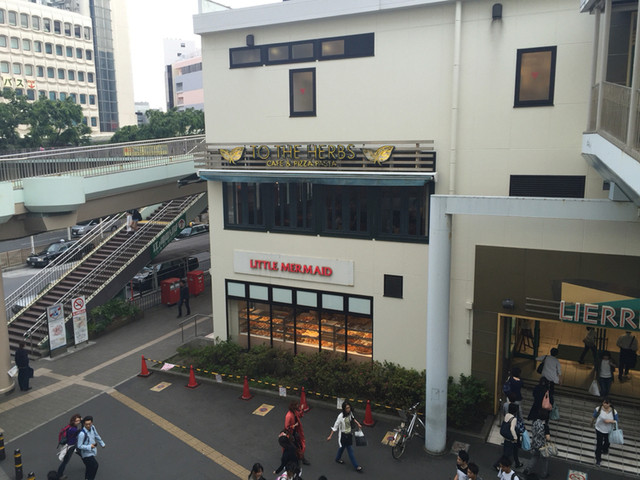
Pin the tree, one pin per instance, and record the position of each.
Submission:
(55, 123)
(13, 113)
(173, 123)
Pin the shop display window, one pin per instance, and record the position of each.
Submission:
(310, 322)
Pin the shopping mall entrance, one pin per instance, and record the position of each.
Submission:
(525, 338)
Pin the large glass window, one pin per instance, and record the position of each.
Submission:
(35, 22)
(302, 92)
(13, 18)
(345, 210)
(244, 205)
(37, 46)
(535, 77)
(293, 206)
(24, 20)
(300, 320)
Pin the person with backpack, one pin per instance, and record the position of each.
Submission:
(510, 432)
(69, 436)
(88, 440)
(504, 470)
(604, 418)
(513, 384)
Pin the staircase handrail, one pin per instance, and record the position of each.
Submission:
(55, 270)
(40, 321)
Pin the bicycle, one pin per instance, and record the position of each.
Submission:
(404, 433)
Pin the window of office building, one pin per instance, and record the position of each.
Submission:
(89, 55)
(90, 77)
(77, 31)
(52, 95)
(2, 16)
(535, 77)
(37, 46)
(83, 99)
(46, 25)
(31, 94)
(80, 76)
(69, 52)
(57, 27)
(71, 75)
(85, 120)
(92, 99)
(61, 75)
(4, 67)
(35, 22)
(26, 44)
(67, 29)
(13, 18)
(79, 52)
(19, 92)
(94, 121)
(28, 70)
(15, 43)
(59, 50)
(42, 94)
(24, 20)
(3, 40)
(73, 97)
(300, 320)
(87, 33)
(63, 96)
(48, 48)
(302, 92)
(39, 71)
(17, 69)
(51, 73)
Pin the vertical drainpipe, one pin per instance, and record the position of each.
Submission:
(604, 50)
(633, 107)
(594, 66)
(455, 93)
(438, 278)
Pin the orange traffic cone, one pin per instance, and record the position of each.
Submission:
(192, 379)
(368, 418)
(246, 394)
(144, 372)
(304, 406)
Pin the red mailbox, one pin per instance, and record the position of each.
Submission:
(195, 280)
(170, 291)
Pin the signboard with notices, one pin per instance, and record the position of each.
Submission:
(79, 311)
(57, 332)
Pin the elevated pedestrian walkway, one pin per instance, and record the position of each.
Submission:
(112, 261)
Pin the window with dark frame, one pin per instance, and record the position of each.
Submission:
(535, 77)
(302, 92)
(393, 286)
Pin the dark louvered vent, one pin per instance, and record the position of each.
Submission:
(556, 186)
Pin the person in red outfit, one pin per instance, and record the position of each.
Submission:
(293, 427)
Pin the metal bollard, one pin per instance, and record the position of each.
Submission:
(3, 454)
(31, 476)
(17, 460)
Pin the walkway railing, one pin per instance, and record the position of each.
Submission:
(99, 159)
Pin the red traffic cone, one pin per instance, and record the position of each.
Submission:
(368, 418)
(246, 394)
(144, 372)
(304, 406)
(192, 379)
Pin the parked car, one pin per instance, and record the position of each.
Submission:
(82, 228)
(54, 250)
(143, 280)
(195, 229)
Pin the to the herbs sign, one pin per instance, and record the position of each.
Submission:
(323, 270)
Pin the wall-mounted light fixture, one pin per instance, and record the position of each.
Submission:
(250, 40)
(508, 304)
(496, 11)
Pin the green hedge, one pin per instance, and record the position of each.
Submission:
(383, 383)
(104, 315)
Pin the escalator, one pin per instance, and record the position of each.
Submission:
(113, 260)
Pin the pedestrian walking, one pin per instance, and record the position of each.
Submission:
(293, 427)
(256, 472)
(25, 372)
(589, 345)
(540, 435)
(504, 470)
(539, 392)
(606, 370)
(514, 384)
(344, 425)
(551, 369)
(289, 453)
(462, 466)
(604, 418)
(88, 440)
(473, 471)
(628, 345)
(184, 298)
(511, 437)
(135, 218)
(292, 472)
(71, 440)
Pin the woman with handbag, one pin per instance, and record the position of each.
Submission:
(540, 391)
(293, 427)
(540, 435)
(344, 425)
(604, 418)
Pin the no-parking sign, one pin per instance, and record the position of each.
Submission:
(79, 309)
(576, 475)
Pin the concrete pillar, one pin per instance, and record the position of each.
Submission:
(6, 382)
(438, 292)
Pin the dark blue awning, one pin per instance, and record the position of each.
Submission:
(326, 177)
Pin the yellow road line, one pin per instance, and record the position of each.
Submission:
(225, 462)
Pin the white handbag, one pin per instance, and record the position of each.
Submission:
(62, 451)
(594, 388)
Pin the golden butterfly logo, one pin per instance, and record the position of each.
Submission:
(232, 156)
(380, 155)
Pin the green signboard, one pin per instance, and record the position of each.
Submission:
(175, 227)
